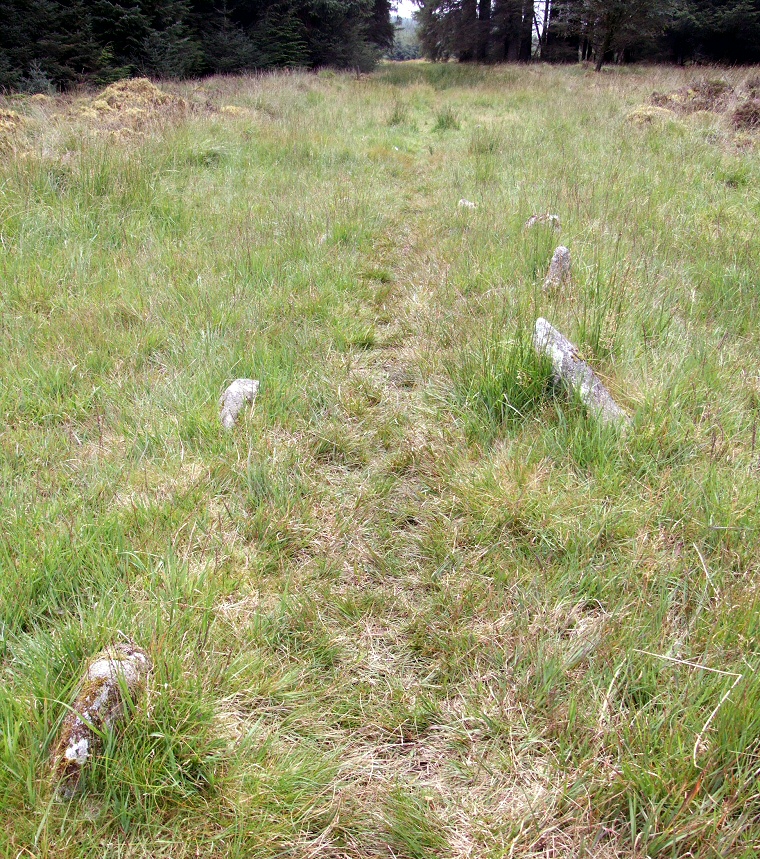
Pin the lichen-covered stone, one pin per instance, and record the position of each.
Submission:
(234, 398)
(113, 673)
(571, 370)
(559, 269)
(546, 219)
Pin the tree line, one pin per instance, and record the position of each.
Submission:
(47, 44)
(603, 31)
(406, 45)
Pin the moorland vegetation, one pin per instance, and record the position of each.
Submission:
(417, 601)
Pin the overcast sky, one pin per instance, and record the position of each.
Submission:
(405, 8)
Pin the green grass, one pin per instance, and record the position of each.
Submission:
(419, 602)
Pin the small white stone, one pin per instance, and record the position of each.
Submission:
(234, 398)
(467, 204)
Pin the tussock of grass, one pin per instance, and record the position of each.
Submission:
(501, 383)
(446, 120)
(419, 602)
(439, 76)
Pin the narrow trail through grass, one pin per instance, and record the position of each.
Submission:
(417, 603)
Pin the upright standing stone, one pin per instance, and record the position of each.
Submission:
(559, 269)
(570, 369)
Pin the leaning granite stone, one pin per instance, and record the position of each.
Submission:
(559, 269)
(114, 673)
(545, 219)
(235, 397)
(576, 373)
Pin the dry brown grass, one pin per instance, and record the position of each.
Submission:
(12, 125)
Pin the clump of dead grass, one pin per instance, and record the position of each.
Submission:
(747, 114)
(714, 95)
(751, 86)
(236, 111)
(647, 114)
(126, 108)
(136, 94)
(11, 125)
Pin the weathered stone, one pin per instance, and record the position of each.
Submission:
(546, 219)
(234, 398)
(467, 204)
(571, 370)
(115, 672)
(559, 269)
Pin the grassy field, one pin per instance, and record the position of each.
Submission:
(417, 603)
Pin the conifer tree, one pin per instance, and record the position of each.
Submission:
(47, 43)
(58, 43)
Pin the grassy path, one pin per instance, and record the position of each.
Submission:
(417, 603)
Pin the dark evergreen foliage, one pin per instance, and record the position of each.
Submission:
(600, 30)
(56, 43)
(715, 31)
(406, 44)
(476, 29)
(47, 44)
